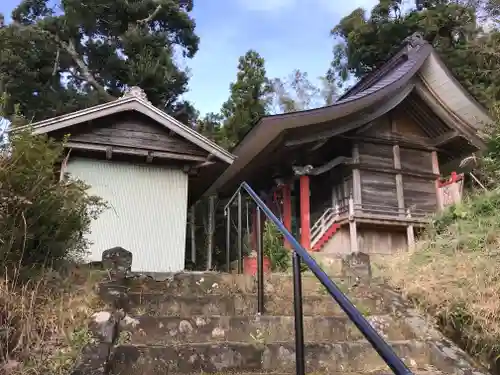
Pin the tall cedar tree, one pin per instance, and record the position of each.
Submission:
(55, 60)
(450, 26)
(249, 99)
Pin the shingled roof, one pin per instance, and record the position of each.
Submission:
(410, 70)
(401, 60)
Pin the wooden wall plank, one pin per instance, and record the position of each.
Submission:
(416, 160)
(378, 155)
(378, 189)
(420, 194)
(138, 134)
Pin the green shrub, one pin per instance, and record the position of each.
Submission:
(274, 248)
(42, 220)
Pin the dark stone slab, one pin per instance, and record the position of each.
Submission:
(159, 304)
(149, 330)
(241, 357)
(117, 261)
(357, 264)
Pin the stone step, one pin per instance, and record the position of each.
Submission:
(222, 283)
(162, 304)
(276, 357)
(429, 371)
(149, 330)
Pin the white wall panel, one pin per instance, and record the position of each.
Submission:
(147, 214)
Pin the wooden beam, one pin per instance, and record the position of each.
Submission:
(438, 141)
(435, 170)
(399, 180)
(132, 151)
(330, 165)
(365, 127)
(109, 152)
(325, 135)
(364, 167)
(353, 232)
(356, 176)
(149, 158)
(410, 233)
(319, 144)
(408, 142)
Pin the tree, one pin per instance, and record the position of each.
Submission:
(211, 127)
(57, 60)
(249, 98)
(298, 93)
(450, 26)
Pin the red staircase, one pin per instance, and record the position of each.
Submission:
(326, 236)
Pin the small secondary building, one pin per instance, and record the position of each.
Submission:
(361, 174)
(147, 166)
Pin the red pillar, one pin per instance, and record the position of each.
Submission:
(254, 230)
(287, 210)
(305, 220)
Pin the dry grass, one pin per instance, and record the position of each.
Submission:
(43, 321)
(455, 275)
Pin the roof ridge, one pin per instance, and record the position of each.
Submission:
(408, 44)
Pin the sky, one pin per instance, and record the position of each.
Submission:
(289, 34)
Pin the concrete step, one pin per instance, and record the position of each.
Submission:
(222, 283)
(149, 330)
(276, 357)
(430, 371)
(163, 304)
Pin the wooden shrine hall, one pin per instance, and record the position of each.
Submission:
(365, 172)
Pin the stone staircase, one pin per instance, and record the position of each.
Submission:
(196, 323)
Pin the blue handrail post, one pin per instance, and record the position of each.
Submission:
(228, 239)
(260, 264)
(299, 315)
(240, 235)
(378, 343)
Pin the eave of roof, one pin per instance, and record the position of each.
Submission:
(269, 127)
(131, 103)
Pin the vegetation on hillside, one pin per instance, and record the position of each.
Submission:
(45, 297)
(454, 274)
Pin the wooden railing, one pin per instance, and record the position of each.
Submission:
(348, 208)
(326, 220)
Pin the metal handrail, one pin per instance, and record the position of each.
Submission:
(379, 344)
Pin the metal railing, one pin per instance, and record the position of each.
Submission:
(300, 254)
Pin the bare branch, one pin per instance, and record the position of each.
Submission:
(71, 50)
(56, 63)
(152, 16)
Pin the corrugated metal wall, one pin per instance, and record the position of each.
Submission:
(147, 215)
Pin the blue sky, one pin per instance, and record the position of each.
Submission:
(289, 34)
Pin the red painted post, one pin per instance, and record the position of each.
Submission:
(305, 220)
(254, 229)
(287, 210)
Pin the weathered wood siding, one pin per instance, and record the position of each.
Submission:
(380, 240)
(370, 240)
(415, 160)
(405, 125)
(377, 155)
(137, 133)
(378, 188)
(379, 127)
(420, 193)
